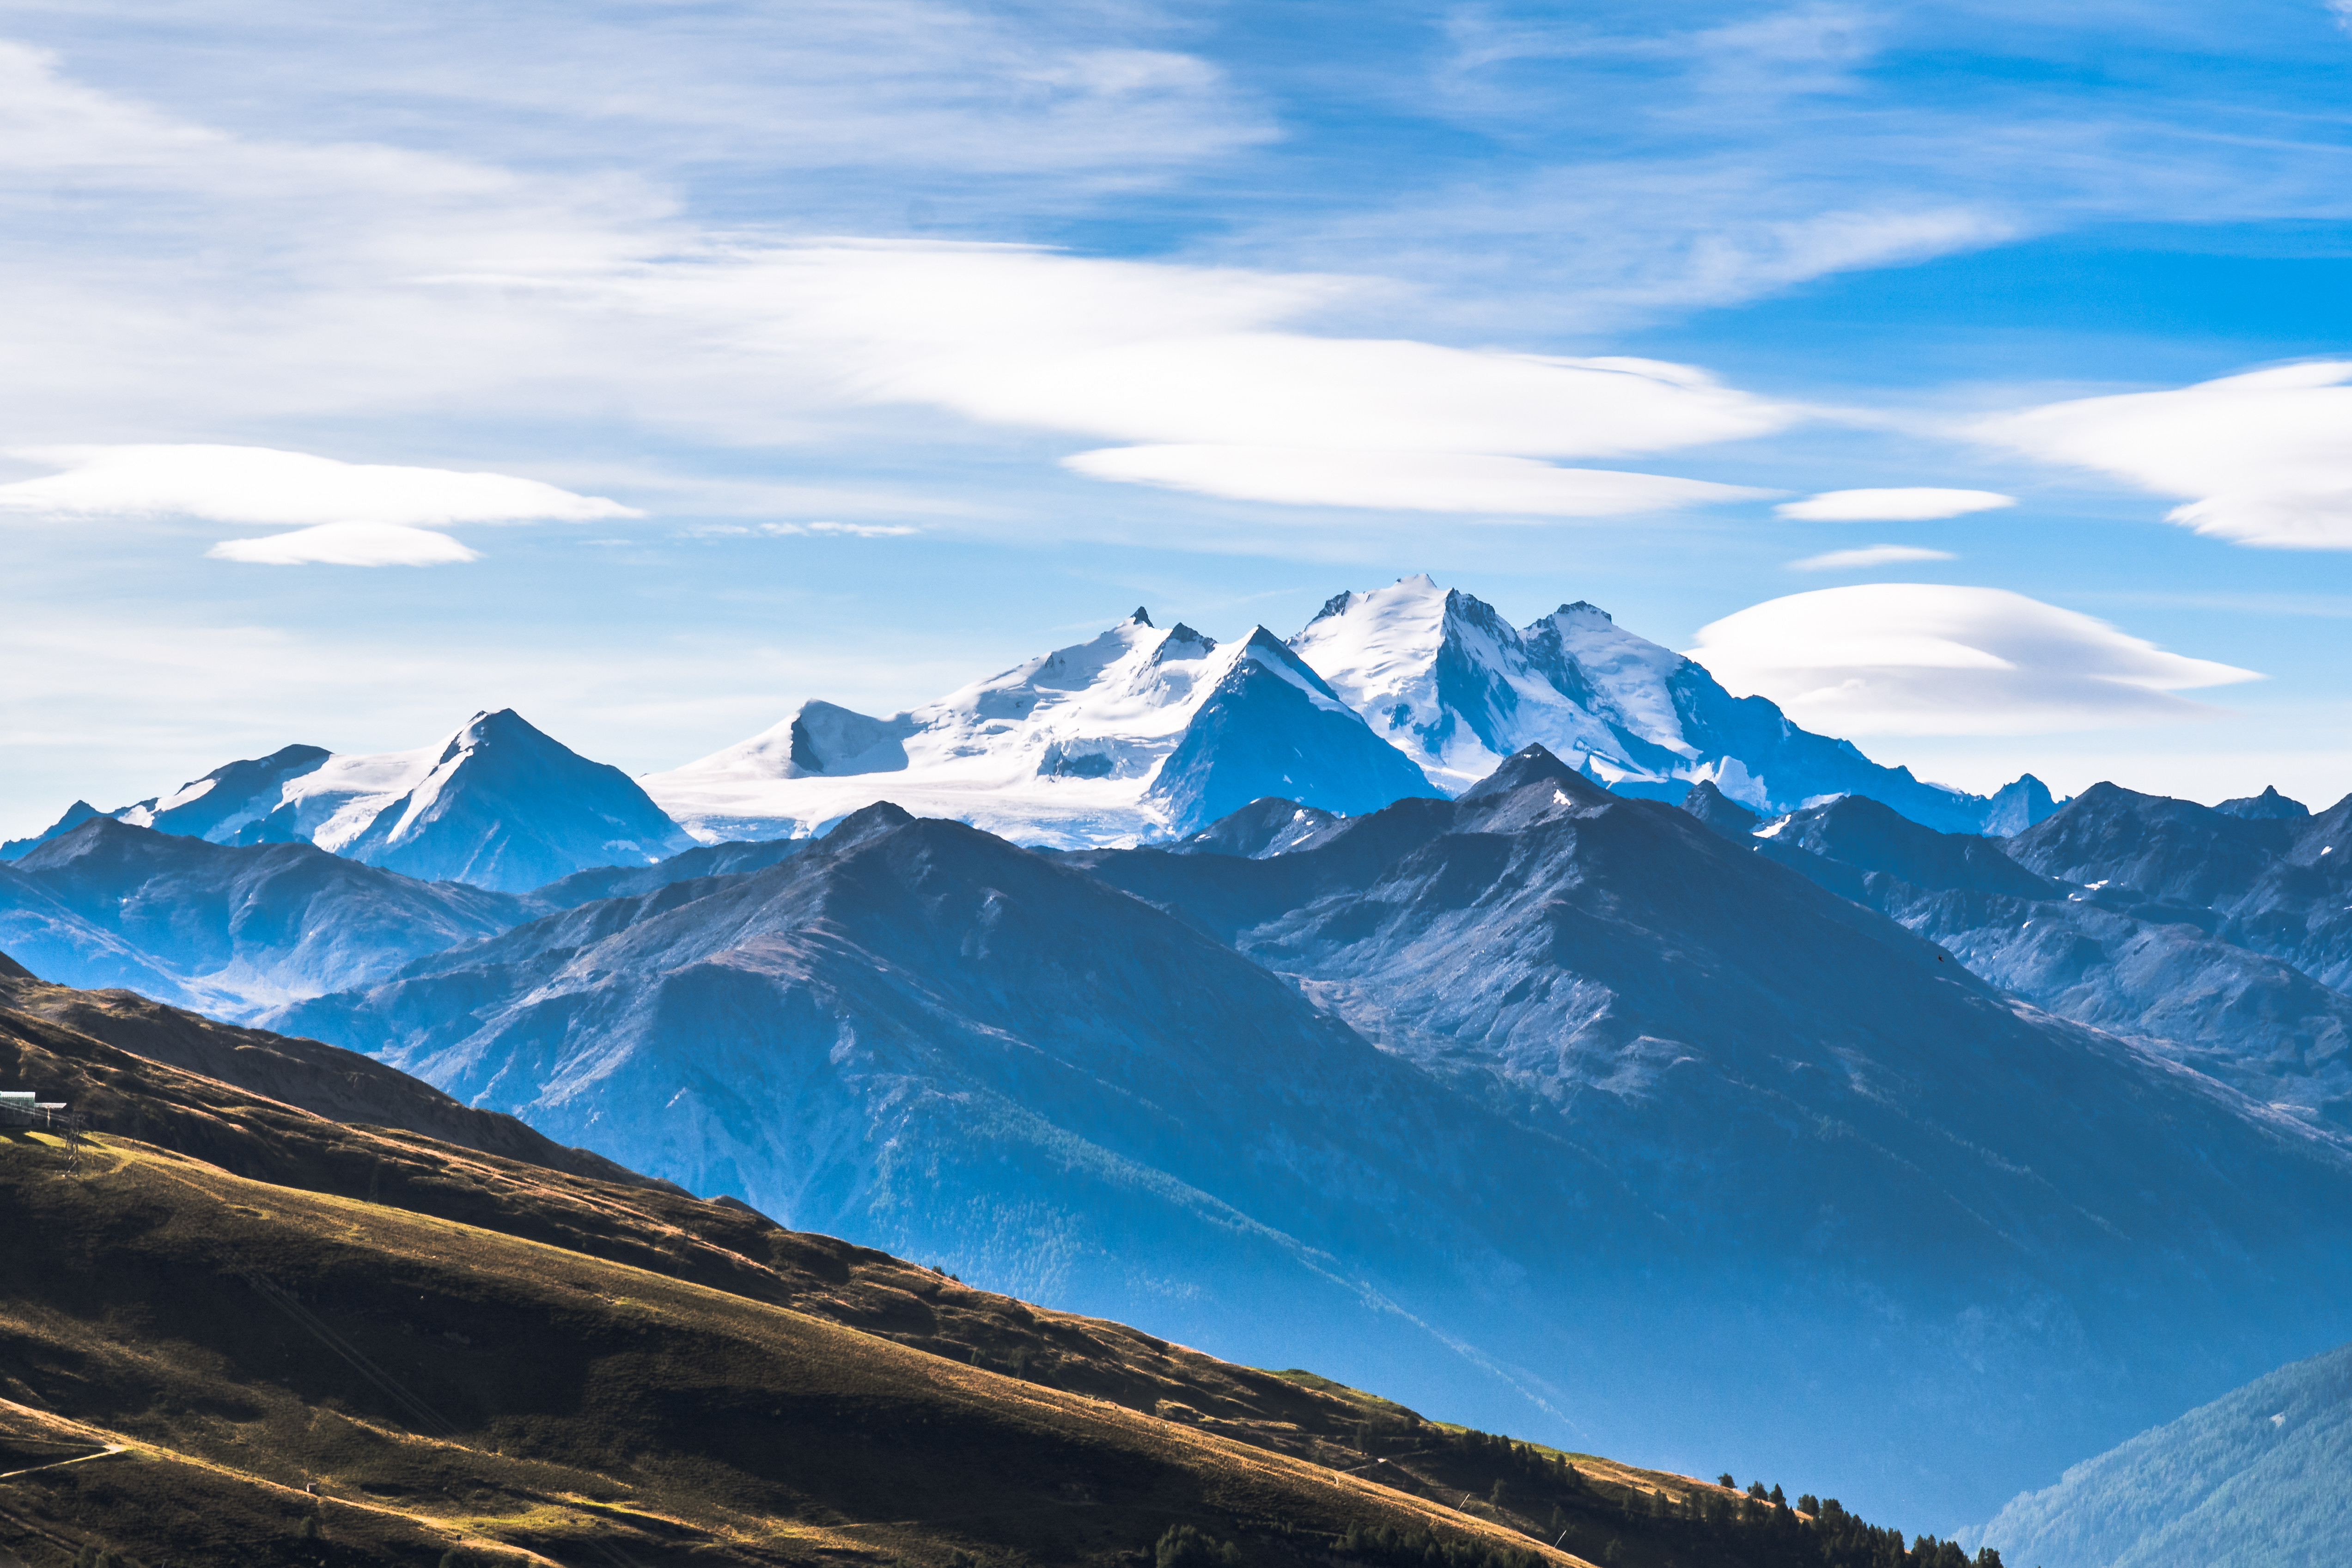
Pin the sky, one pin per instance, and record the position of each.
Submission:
(1973, 379)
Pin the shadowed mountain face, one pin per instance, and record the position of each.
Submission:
(229, 929)
(2254, 1479)
(1272, 727)
(1657, 1126)
(2110, 956)
(917, 1034)
(2261, 873)
(1821, 1098)
(504, 806)
(703, 860)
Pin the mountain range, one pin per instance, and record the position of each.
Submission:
(1117, 740)
(1299, 999)
(2215, 936)
(1548, 1105)
(1138, 735)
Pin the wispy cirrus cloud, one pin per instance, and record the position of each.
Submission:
(412, 281)
(1391, 480)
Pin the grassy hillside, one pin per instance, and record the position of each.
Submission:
(232, 1331)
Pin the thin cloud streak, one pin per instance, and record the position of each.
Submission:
(1909, 504)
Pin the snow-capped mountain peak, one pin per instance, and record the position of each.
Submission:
(495, 802)
(1061, 749)
(1445, 678)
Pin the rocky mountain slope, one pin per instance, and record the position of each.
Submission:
(1441, 1082)
(918, 1034)
(2264, 874)
(229, 929)
(2161, 964)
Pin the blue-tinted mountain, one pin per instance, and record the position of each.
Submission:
(915, 1030)
(1721, 813)
(76, 813)
(1267, 825)
(1762, 1060)
(1270, 727)
(687, 866)
(227, 929)
(504, 806)
(232, 803)
(2260, 1477)
(2110, 956)
(497, 804)
(1689, 1155)
(2268, 806)
(2254, 873)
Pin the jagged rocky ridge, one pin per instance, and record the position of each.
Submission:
(2180, 926)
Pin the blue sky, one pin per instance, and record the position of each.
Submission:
(856, 350)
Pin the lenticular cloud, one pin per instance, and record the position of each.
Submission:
(1916, 658)
(347, 545)
(2263, 458)
(379, 512)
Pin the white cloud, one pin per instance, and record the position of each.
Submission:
(347, 545)
(2263, 458)
(1912, 658)
(1909, 504)
(1400, 480)
(256, 484)
(1869, 555)
(1155, 353)
(418, 285)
